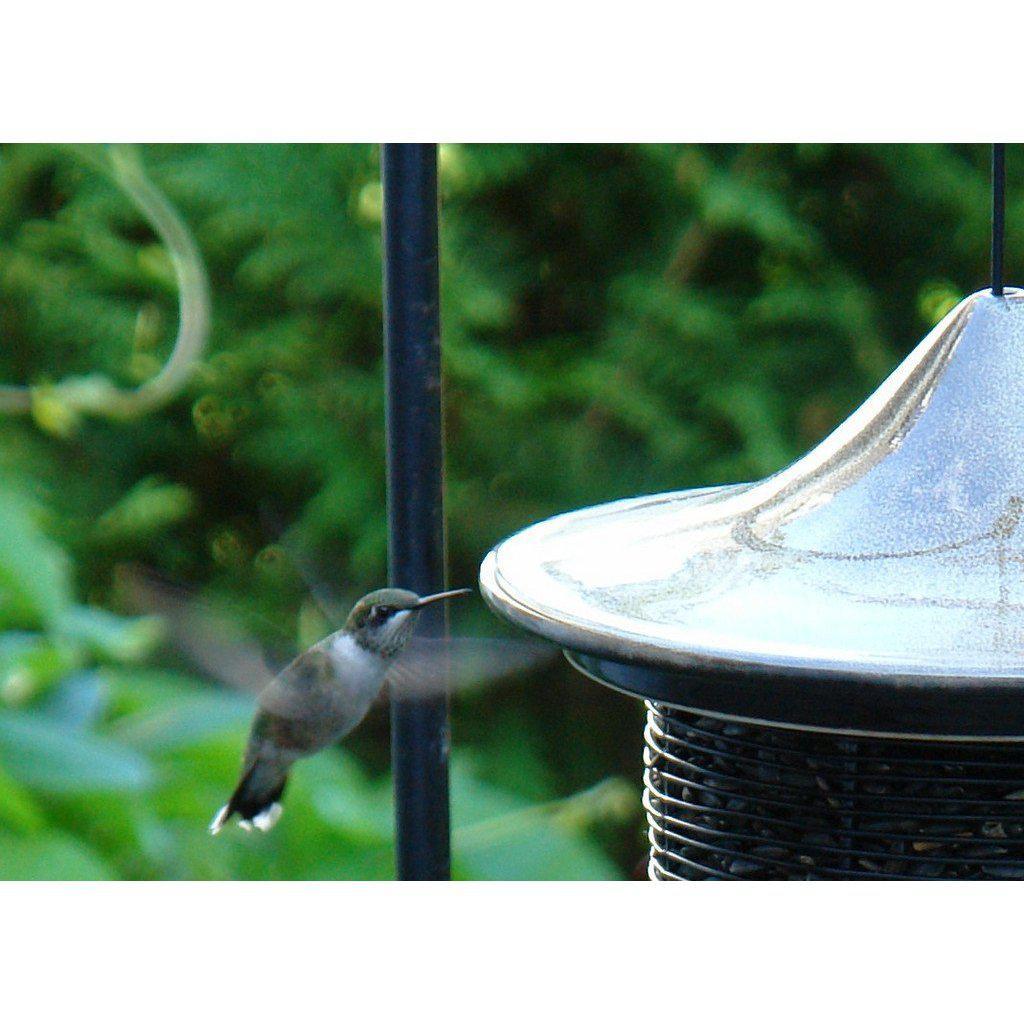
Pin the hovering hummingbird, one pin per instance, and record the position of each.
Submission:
(320, 698)
(323, 694)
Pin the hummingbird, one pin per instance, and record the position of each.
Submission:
(319, 698)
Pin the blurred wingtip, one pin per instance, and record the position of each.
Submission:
(210, 639)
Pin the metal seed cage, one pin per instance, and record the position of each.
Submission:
(729, 800)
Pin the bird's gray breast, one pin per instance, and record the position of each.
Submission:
(324, 694)
(359, 673)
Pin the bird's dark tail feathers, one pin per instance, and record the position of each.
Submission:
(256, 800)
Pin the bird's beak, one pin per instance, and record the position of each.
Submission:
(444, 595)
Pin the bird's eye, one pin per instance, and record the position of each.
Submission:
(379, 614)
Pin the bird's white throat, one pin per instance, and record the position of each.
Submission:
(355, 665)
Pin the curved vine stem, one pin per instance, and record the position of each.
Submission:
(96, 393)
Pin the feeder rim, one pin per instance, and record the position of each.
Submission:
(828, 695)
(631, 647)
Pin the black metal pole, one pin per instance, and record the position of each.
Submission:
(998, 215)
(412, 352)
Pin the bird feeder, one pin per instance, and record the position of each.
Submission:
(832, 657)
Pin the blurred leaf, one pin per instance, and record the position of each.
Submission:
(17, 808)
(30, 662)
(190, 720)
(34, 577)
(42, 755)
(343, 797)
(502, 837)
(78, 702)
(134, 689)
(526, 848)
(53, 858)
(110, 636)
(145, 511)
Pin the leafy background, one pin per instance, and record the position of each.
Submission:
(617, 320)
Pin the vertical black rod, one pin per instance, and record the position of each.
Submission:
(412, 355)
(998, 215)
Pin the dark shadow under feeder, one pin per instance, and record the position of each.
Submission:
(833, 657)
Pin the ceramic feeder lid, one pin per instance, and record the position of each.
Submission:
(875, 585)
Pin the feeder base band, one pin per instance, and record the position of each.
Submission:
(735, 801)
(925, 708)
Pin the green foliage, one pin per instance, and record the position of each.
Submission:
(617, 320)
(111, 771)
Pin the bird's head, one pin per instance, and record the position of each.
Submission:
(383, 620)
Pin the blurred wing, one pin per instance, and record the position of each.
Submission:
(432, 665)
(207, 637)
(327, 601)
